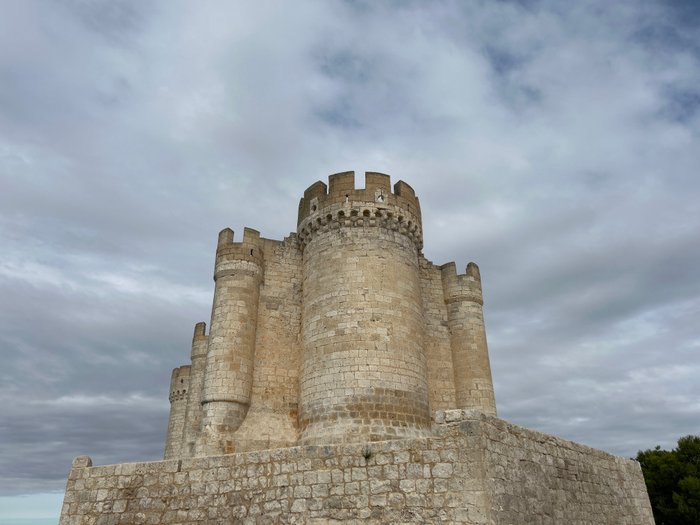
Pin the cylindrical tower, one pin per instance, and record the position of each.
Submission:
(179, 386)
(193, 413)
(470, 357)
(228, 374)
(363, 367)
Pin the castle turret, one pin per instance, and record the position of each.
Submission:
(193, 412)
(465, 317)
(179, 386)
(363, 365)
(229, 363)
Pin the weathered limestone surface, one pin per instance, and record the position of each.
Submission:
(476, 469)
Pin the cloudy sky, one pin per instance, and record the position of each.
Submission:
(553, 143)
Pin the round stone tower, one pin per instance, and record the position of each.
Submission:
(363, 372)
(193, 414)
(228, 375)
(470, 355)
(179, 385)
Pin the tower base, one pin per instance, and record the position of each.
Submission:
(476, 469)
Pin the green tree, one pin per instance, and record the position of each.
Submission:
(673, 482)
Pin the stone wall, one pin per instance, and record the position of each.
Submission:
(271, 420)
(538, 479)
(438, 350)
(476, 470)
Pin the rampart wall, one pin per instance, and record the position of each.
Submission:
(477, 470)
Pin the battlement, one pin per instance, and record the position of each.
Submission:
(461, 287)
(199, 331)
(199, 340)
(250, 249)
(179, 383)
(341, 189)
(341, 204)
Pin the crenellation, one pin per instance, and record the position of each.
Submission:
(346, 378)
(462, 287)
(379, 184)
(343, 201)
(341, 184)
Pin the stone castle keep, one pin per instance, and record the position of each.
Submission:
(345, 377)
(343, 332)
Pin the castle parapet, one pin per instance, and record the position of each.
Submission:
(230, 254)
(461, 287)
(339, 204)
(179, 383)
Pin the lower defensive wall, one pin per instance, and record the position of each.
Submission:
(476, 469)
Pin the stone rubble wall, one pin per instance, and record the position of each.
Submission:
(538, 479)
(477, 470)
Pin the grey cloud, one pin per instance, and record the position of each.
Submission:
(551, 144)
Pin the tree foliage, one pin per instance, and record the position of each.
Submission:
(673, 482)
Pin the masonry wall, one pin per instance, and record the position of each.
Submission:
(441, 378)
(363, 372)
(477, 470)
(271, 420)
(193, 412)
(535, 478)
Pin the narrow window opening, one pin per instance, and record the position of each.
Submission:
(251, 252)
(380, 198)
(347, 197)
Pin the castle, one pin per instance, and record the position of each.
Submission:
(346, 378)
(343, 332)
